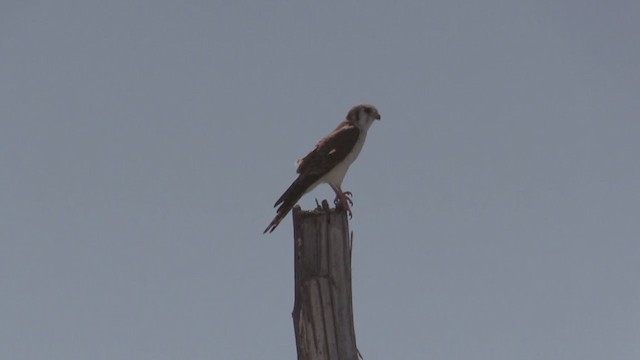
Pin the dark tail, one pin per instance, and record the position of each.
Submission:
(290, 198)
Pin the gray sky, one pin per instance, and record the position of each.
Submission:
(142, 145)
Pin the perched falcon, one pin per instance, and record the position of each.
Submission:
(329, 161)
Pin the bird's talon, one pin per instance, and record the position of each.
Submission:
(347, 196)
(347, 203)
(344, 204)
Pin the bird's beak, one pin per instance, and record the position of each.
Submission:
(377, 117)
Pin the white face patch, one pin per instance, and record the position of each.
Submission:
(364, 121)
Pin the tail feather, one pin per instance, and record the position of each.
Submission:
(290, 198)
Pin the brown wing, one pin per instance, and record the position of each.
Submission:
(329, 152)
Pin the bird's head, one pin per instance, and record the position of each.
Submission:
(363, 115)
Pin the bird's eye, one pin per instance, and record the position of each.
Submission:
(367, 110)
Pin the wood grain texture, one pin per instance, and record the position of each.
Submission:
(323, 312)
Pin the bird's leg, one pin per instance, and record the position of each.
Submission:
(343, 199)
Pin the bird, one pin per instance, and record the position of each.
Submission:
(328, 162)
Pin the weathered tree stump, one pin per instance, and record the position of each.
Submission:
(323, 310)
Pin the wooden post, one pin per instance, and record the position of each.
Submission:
(323, 310)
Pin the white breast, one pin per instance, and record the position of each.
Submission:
(336, 175)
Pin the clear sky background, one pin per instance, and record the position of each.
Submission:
(143, 144)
